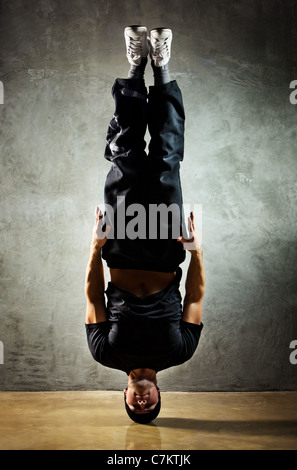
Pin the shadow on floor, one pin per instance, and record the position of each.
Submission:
(272, 427)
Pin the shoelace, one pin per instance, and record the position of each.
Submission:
(134, 47)
(160, 49)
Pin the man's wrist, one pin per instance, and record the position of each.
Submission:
(96, 246)
(197, 251)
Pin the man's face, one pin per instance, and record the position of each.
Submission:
(142, 395)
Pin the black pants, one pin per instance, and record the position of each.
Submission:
(138, 180)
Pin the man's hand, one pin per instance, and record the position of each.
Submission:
(99, 236)
(192, 244)
(94, 283)
(195, 281)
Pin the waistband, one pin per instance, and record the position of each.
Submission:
(136, 87)
(115, 292)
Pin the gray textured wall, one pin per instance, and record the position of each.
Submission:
(234, 60)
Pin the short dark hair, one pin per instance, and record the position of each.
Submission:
(143, 418)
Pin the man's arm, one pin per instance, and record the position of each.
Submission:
(94, 287)
(195, 281)
(94, 283)
(195, 288)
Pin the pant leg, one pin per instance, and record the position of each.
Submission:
(166, 123)
(125, 144)
(147, 181)
(125, 149)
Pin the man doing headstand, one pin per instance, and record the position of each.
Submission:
(143, 327)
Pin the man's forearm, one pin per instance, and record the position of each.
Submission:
(95, 284)
(195, 281)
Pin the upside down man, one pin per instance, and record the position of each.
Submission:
(140, 324)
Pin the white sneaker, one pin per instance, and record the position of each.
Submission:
(136, 43)
(160, 50)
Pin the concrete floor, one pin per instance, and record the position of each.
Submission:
(187, 421)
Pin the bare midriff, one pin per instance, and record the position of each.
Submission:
(140, 283)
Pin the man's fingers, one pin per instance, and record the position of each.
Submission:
(185, 240)
(98, 214)
(191, 226)
(192, 220)
(102, 235)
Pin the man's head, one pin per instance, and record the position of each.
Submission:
(142, 400)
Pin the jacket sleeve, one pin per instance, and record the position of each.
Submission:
(97, 337)
(191, 336)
